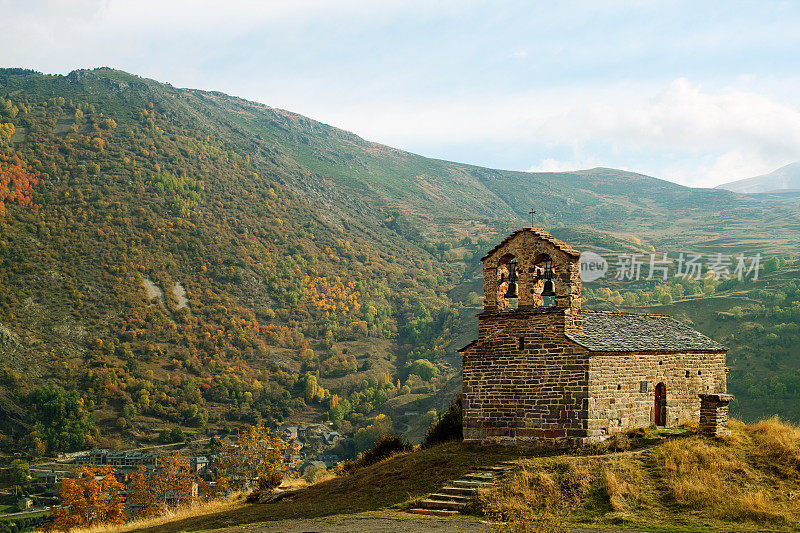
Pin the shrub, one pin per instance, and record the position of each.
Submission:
(313, 474)
(266, 484)
(385, 447)
(447, 428)
(270, 480)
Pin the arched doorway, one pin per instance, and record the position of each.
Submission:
(661, 404)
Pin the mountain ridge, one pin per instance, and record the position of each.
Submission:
(491, 193)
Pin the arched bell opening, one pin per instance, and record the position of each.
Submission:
(508, 282)
(544, 280)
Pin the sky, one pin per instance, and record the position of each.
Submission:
(695, 92)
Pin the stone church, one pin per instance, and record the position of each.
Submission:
(544, 371)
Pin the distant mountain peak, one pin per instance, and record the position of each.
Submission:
(785, 178)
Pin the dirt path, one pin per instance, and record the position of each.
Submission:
(371, 525)
(353, 524)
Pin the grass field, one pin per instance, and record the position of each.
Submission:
(671, 481)
(14, 516)
(747, 481)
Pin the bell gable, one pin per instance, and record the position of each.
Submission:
(533, 268)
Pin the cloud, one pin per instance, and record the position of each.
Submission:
(594, 84)
(726, 133)
(554, 165)
(685, 116)
(744, 132)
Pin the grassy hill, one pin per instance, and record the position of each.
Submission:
(173, 257)
(674, 481)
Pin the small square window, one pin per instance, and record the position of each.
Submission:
(642, 386)
(687, 373)
(619, 387)
(521, 342)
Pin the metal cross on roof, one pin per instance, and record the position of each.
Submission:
(531, 213)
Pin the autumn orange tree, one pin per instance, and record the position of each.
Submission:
(17, 181)
(168, 486)
(142, 499)
(94, 497)
(219, 489)
(257, 456)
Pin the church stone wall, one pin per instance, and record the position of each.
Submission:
(622, 388)
(524, 381)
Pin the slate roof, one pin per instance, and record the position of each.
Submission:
(542, 234)
(618, 332)
(465, 348)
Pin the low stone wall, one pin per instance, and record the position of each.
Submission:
(714, 414)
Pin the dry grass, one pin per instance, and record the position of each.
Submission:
(624, 482)
(195, 511)
(747, 481)
(538, 496)
(720, 482)
(777, 444)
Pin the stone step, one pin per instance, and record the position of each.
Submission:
(471, 484)
(479, 476)
(433, 512)
(461, 491)
(499, 469)
(442, 504)
(450, 497)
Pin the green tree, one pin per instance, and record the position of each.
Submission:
(629, 299)
(19, 472)
(423, 368)
(61, 419)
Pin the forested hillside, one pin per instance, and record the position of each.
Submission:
(173, 257)
(281, 291)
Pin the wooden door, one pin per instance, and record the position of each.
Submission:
(661, 404)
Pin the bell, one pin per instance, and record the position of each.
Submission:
(547, 290)
(512, 291)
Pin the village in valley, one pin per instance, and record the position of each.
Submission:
(307, 452)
